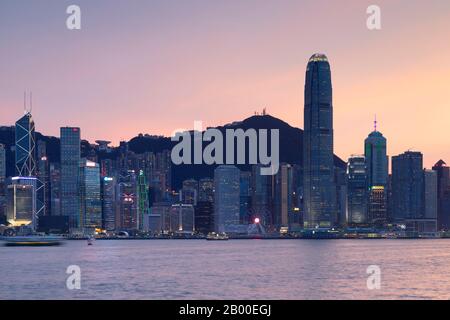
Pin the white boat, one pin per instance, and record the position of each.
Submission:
(213, 236)
(33, 241)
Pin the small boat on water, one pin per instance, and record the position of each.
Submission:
(90, 241)
(213, 236)
(32, 241)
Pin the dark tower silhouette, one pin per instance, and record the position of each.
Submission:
(318, 181)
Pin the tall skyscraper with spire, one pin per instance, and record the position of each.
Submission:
(377, 175)
(25, 146)
(318, 162)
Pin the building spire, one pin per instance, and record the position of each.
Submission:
(375, 123)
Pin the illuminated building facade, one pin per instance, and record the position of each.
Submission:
(226, 198)
(128, 201)
(90, 199)
(23, 205)
(357, 191)
(109, 203)
(375, 151)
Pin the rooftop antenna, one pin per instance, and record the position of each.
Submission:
(375, 123)
(31, 102)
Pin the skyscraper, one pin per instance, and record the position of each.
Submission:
(376, 159)
(128, 201)
(90, 201)
(227, 200)
(430, 194)
(143, 200)
(443, 195)
(70, 180)
(25, 146)
(43, 174)
(377, 176)
(357, 191)
(407, 186)
(318, 163)
(109, 203)
(283, 196)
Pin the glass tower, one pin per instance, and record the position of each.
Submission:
(70, 180)
(227, 198)
(318, 180)
(25, 147)
(357, 190)
(407, 186)
(377, 176)
(90, 200)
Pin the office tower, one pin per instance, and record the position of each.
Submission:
(143, 200)
(319, 192)
(43, 174)
(430, 194)
(70, 175)
(376, 158)
(159, 174)
(189, 192)
(226, 198)
(245, 195)
(55, 189)
(25, 147)
(90, 200)
(283, 196)
(109, 203)
(407, 186)
(261, 188)
(23, 205)
(297, 200)
(443, 195)
(204, 217)
(182, 219)
(377, 176)
(128, 201)
(378, 206)
(357, 190)
(341, 195)
(206, 190)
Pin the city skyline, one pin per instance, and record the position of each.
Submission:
(390, 83)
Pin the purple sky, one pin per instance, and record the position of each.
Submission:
(154, 66)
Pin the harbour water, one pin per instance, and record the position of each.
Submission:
(235, 269)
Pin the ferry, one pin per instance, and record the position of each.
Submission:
(213, 236)
(32, 241)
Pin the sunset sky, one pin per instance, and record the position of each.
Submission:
(157, 65)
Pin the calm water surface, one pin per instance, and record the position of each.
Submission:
(235, 269)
